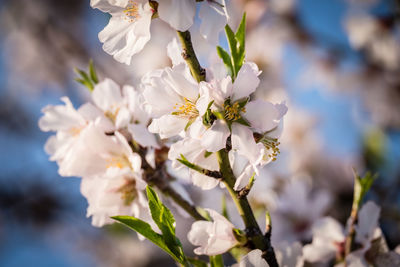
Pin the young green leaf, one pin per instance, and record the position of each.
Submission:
(164, 219)
(92, 72)
(145, 230)
(361, 187)
(240, 37)
(226, 58)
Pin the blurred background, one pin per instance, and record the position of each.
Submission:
(336, 63)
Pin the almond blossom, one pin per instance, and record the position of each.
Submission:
(125, 109)
(117, 192)
(240, 118)
(128, 30)
(69, 124)
(170, 96)
(192, 150)
(214, 237)
(95, 153)
(329, 237)
(180, 15)
(288, 255)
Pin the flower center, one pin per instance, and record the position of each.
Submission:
(132, 11)
(186, 110)
(128, 191)
(271, 144)
(118, 162)
(75, 131)
(232, 112)
(112, 115)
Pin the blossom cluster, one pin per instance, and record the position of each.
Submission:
(125, 135)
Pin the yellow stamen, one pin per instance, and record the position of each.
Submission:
(271, 144)
(112, 114)
(118, 162)
(128, 191)
(186, 110)
(132, 11)
(232, 112)
(74, 131)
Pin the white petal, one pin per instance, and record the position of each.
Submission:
(198, 233)
(141, 135)
(214, 138)
(367, 222)
(107, 94)
(252, 259)
(174, 52)
(246, 82)
(110, 6)
(122, 38)
(263, 116)
(181, 81)
(177, 13)
(203, 181)
(213, 19)
(168, 126)
(243, 142)
(61, 117)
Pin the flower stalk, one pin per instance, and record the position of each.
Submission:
(190, 57)
(253, 232)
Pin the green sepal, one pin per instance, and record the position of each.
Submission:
(197, 262)
(216, 261)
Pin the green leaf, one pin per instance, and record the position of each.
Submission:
(240, 37)
(164, 219)
(92, 72)
(361, 187)
(230, 36)
(145, 230)
(226, 58)
(85, 83)
(216, 261)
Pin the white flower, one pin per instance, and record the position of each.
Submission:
(329, 237)
(242, 170)
(213, 238)
(177, 13)
(108, 97)
(124, 108)
(252, 259)
(297, 208)
(180, 15)
(116, 193)
(287, 255)
(171, 96)
(230, 100)
(95, 153)
(192, 150)
(214, 17)
(128, 29)
(328, 240)
(69, 124)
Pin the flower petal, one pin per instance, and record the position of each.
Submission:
(214, 139)
(177, 13)
(246, 81)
